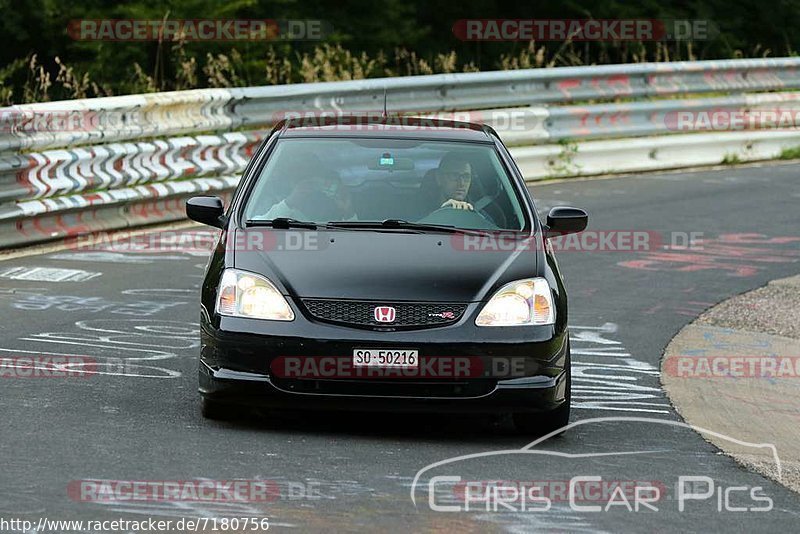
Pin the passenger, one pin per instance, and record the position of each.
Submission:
(318, 199)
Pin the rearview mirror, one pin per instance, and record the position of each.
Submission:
(388, 162)
(564, 220)
(206, 210)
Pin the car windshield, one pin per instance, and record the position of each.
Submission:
(362, 181)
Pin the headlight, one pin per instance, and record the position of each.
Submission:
(243, 294)
(524, 302)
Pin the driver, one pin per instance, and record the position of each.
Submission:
(453, 177)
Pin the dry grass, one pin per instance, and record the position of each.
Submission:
(324, 63)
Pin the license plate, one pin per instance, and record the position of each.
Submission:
(399, 358)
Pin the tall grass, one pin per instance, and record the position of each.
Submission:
(29, 79)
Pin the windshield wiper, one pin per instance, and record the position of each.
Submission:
(282, 223)
(405, 225)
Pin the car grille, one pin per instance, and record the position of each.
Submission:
(407, 314)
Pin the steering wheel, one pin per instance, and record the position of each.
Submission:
(456, 217)
(487, 207)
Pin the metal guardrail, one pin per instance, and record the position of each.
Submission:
(78, 166)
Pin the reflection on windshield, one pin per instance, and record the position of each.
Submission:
(445, 183)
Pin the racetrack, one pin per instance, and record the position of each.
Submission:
(138, 419)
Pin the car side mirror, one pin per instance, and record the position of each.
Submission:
(206, 210)
(564, 220)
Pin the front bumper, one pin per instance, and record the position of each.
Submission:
(523, 369)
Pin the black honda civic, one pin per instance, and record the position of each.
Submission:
(385, 264)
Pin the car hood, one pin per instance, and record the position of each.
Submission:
(391, 266)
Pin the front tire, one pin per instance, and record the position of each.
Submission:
(214, 410)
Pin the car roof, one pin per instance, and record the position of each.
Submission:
(393, 126)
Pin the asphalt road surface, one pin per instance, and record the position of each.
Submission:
(135, 315)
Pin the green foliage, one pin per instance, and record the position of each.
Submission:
(731, 159)
(564, 164)
(40, 61)
(790, 153)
